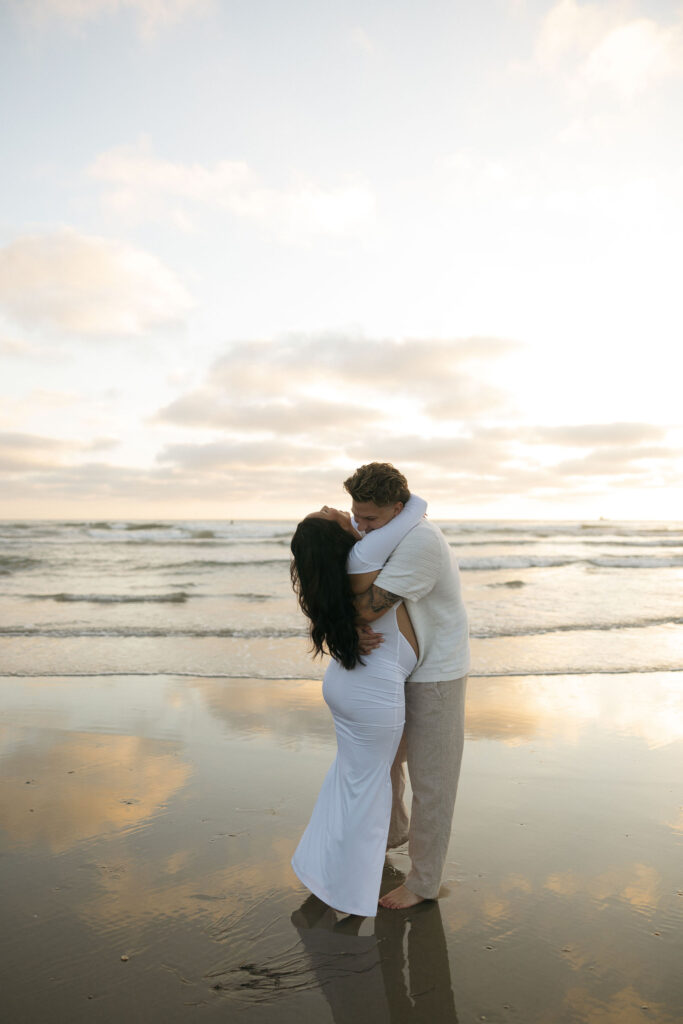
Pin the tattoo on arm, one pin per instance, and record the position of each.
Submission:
(380, 599)
(376, 600)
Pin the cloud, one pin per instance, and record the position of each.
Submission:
(89, 480)
(453, 456)
(142, 186)
(21, 453)
(306, 402)
(634, 56)
(429, 366)
(580, 435)
(291, 473)
(622, 460)
(24, 454)
(334, 388)
(467, 398)
(428, 370)
(76, 284)
(152, 15)
(210, 408)
(102, 444)
(485, 463)
(197, 476)
(592, 47)
(16, 347)
(283, 421)
(571, 28)
(245, 455)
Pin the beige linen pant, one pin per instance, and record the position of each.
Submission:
(432, 744)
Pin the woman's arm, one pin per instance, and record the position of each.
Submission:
(367, 556)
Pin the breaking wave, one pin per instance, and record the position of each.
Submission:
(10, 564)
(178, 598)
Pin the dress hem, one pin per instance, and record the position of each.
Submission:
(323, 894)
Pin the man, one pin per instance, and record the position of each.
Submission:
(423, 573)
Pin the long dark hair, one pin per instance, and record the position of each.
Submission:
(318, 571)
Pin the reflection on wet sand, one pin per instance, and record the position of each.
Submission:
(400, 974)
(564, 870)
(291, 710)
(627, 1006)
(515, 711)
(637, 884)
(345, 965)
(518, 709)
(79, 785)
(510, 709)
(417, 978)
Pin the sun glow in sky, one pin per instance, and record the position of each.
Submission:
(247, 246)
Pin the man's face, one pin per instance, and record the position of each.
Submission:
(370, 516)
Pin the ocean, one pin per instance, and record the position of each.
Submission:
(214, 599)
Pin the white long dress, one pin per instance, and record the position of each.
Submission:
(341, 854)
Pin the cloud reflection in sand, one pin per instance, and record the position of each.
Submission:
(288, 712)
(80, 786)
(511, 709)
(627, 1006)
(637, 884)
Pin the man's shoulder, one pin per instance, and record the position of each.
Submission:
(424, 537)
(428, 524)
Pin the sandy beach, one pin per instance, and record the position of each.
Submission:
(148, 826)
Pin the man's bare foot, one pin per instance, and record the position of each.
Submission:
(400, 898)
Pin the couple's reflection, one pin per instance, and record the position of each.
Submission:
(398, 975)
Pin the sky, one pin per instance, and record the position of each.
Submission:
(247, 246)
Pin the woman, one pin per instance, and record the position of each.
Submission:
(341, 853)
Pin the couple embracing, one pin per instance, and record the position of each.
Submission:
(381, 591)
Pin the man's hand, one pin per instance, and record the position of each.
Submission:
(368, 640)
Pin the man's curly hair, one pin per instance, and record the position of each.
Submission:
(379, 482)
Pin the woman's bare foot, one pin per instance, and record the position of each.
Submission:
(400, 898)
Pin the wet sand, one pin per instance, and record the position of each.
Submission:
(147, 826)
